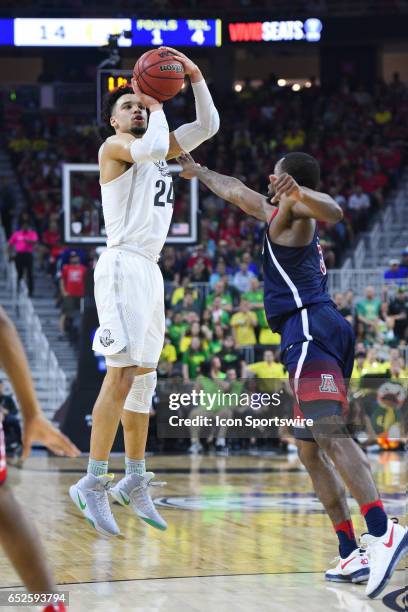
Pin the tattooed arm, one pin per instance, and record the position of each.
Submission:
(227, 187)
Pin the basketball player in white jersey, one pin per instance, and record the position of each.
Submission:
(137, 201)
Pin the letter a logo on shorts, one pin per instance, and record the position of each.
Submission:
(328, 385)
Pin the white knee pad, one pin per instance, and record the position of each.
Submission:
(139, 398)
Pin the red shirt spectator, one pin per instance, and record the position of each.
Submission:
(73, 277)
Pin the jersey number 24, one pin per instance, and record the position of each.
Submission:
(162, 198)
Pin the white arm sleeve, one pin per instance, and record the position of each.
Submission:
(190, 135)
(154, 145)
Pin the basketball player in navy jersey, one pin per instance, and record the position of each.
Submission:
(317, 346)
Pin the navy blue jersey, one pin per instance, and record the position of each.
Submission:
(294, 277)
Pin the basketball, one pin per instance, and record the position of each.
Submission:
(159, 74)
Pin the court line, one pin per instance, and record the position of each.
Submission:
(270, 470)
(16, 586)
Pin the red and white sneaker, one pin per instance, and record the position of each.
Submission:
(60, 607)
(355, 568)
(384, 554)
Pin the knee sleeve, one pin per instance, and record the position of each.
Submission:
(139, 398)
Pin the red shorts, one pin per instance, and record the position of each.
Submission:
(3, 465)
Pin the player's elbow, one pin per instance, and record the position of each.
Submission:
(209, 128)
(159, 148)
(337, 214)
(214, 124)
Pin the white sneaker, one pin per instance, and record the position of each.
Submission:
(133, 490)
(355, 568)
(384, 554)
(90, 495)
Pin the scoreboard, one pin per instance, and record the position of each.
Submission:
(177, 32)
(86, 32)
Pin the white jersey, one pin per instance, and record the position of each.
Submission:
(138, 207)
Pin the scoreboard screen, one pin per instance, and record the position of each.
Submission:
(86, 32)
(177, 32)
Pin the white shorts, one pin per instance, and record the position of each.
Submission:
(129, 298)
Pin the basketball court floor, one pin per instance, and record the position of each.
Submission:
(245, 534)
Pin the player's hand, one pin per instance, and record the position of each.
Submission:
(190, 68)
(285, 186)
(39, 429)
(190, 167)
(146, 100)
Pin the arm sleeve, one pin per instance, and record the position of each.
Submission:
(154, 145)
(190, 135)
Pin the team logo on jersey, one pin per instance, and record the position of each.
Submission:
(105, 338)
(328, 385)
(162, 168)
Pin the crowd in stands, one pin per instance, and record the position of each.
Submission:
(214, 313)
(163, 8)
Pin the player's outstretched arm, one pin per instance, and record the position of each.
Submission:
(36, 427)
(227, 187)
(189, 136)
(303, 202)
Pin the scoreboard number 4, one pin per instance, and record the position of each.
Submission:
(198, 37)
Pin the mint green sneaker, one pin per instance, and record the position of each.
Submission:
(90, 495)
(133, 491)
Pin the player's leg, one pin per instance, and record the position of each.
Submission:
(90, 494)
(22, 545)
(133, 489)
(387, 541)
(329, 488)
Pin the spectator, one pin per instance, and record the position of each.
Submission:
(229, 355)
(11, 423)
(193, 357)
(243, 324)
(342, 307)
(22, 242)
(168, 358)
(368, 310)
(398, 312)
(268, 368)
(396, 273)
(219, 273)
(218, 313)
(254, 295)
(7, 201)
(72, 287)
(195, 331)
(216, 343)
(177, 329)
(213, 386)
(242, 278)
(404, 261)
(188, 303)
(358, 204)
(223, 294)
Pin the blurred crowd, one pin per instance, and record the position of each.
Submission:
(216, 324)
(281, 8)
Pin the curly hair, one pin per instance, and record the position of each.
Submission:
(108, 104)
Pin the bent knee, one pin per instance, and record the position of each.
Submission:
(309, 452)
(121, 379)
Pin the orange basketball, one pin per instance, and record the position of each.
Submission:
(159, 74)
